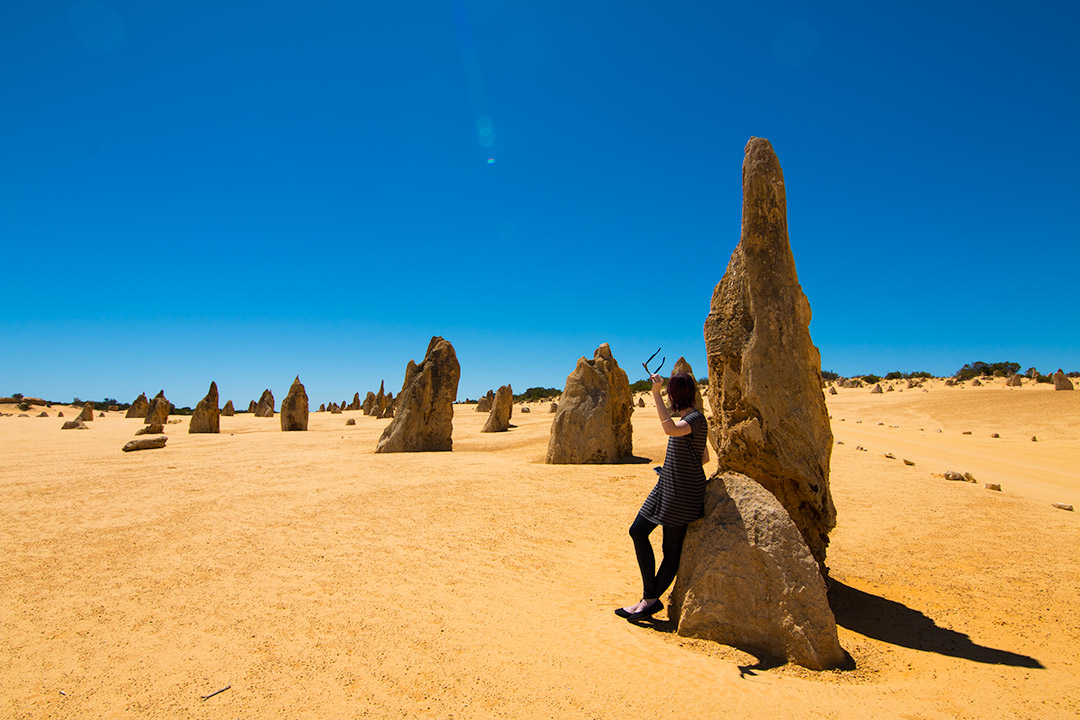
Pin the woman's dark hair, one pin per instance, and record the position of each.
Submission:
(680, 390)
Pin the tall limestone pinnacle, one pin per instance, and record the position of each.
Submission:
(765, 372)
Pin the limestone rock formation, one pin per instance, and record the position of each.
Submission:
(228, 410)
(1014, 381)
(150, 430)
(355, 404)
(146, 443)
(641, 402)
(294, 408)
(322, 408)
(369, 403)
(592, 423)
(484, 403)
(765, 384)
(747, 579)
(265, 408)
(60, 414)
(877, 390)
(139, 407)
(499, 417)
(75, 424)
(87, 412)
(350, 421)
(42, 414)
(252, 407)
(158, 412)
(832, 390)
(423, 419)
(1061, 382)
(207, 417)
(334, 409)
(526, 409)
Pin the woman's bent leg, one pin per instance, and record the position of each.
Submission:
(669, 566)
(639, 532)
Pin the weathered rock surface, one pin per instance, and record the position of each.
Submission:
(1014, 381)
(42, 414)
(154, 429)
(87, 412)
(501, 410)
(369, 403)
(748, 580)
(350, 421)
(158, 412)
(553, 407)
(1061, 382)
(75, 424)
(139, 407)
(206, 417)
(294, 408)
(832, 390)
(526, 409)
(592, 423)
(228, 410)
(765, 384)
(252, 407)
(876, 390)
(355, 404)
(424, 415)
(146, 443)
(484, 403)
(641, 402)
(265, 408)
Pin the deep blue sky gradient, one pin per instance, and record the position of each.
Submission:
(245, 191)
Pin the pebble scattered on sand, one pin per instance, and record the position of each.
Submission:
(995, 435)
(889, 455)
(908, 462)
(1064, 506)
(992, 486)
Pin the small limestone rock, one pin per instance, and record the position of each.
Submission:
(61, 414)
(294, 408)
(553, 407)
(1061, 382)
(146, 443)
(839, 442)
(1063, 506)
(641, 402)
(158, 411)
(968, 477)
(953, 475)
(206, 417)
(139, 407)
(228, 410)
(1034, 439)
(42, 414)
(994, 435)
(87, 413)
(499, 418)
(265, 408)
(484, 404)
(908, 462)
(592, 424)
(860, 447)
(101, 414)
(154, 429)
(976, 382)
(252, 407)
(832, 390)
(424, 414)
(876, 390)
(350, 421)
(966, 432)
(334, 409)
(526, 409)
(748, 580)
(75, 424)
(992, 486)
(890, 456)
(1014, 381)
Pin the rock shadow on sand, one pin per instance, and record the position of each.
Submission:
(897, 624)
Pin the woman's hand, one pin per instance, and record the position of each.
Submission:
(657, 382)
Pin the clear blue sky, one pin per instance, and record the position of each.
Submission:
(246, 191)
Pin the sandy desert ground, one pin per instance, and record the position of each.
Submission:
(316, 579)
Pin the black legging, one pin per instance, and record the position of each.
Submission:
(655, 583)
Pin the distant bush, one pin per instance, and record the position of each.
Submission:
(871, 379)
(1044, 378)
(829, 375)
(894, 375)
(17, 396)
(642, 385)
(537, 393)
(23, 406)
(977, 368)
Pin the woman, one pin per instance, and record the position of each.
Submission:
(678, 498)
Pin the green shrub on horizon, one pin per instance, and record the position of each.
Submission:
(534, 394)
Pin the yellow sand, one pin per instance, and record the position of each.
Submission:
(320, 580)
